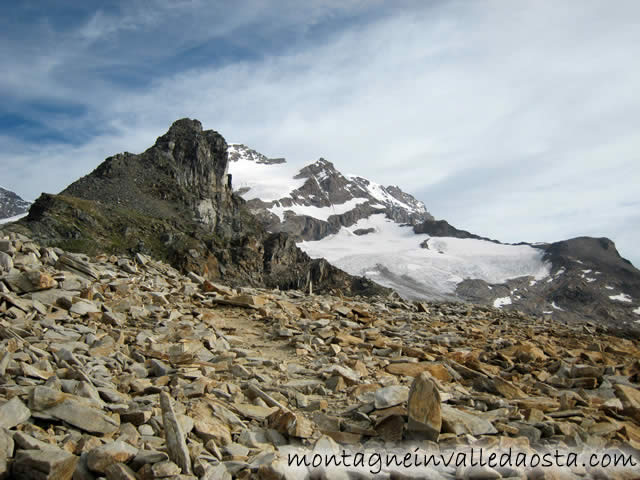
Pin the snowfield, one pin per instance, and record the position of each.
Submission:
(621, 297)
(499, 302)
(266, 182)
(13, 219)
(392, 256)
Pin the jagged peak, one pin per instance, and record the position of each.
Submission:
(239, 151)
(187, 124)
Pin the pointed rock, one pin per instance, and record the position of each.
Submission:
(176, 444)
(424, 408)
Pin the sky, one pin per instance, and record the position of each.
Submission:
(513, 119)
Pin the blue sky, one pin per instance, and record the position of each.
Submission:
(517, 120)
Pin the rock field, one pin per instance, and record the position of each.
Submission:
(123, 368)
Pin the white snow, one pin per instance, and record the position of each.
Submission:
(266, 182)
(532, 283)
(556, 307)
(13, 219)
(608, 287)
(499, 302)
(637, 311)
(394, 252)
(621, 297)
(589, 280)
(321, 213)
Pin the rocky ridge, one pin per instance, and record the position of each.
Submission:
(122, 367)
(11, 204)
(175, 202)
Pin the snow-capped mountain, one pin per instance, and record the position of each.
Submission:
(317, 200)
(389, 236)
(12, 207)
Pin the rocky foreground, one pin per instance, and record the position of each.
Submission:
(123, 368)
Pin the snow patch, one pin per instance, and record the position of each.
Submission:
(499, 302)
(267, 182)
(637, 311)
(621, 297)
(556, 307)
(13, 219)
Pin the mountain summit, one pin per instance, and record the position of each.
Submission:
(387, 235)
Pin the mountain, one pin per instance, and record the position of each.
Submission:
(11, 205)
(387, 235)
(175, 202)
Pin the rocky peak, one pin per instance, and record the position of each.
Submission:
(174, 202)
(186, 169)
(237, 151)
(200, 156)
(11, 204)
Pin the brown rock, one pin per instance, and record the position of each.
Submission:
(294, 425)
(119, 471)
(424, 407)
(629, 396)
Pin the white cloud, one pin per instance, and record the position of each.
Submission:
(515, 120)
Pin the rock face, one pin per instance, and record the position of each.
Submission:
(11, 204)
(171, 376)
(175, 202)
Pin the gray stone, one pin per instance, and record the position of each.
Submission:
(72, 410)
(13, 413)
(461, 422)
(99, 459)
(390, 396)
(6, 262)
(44, 465)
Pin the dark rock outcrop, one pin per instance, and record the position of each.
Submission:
(442, 228)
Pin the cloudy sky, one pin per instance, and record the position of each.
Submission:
(518, 120)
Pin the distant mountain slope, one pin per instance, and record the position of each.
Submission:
(11, 205)
(389, 236)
